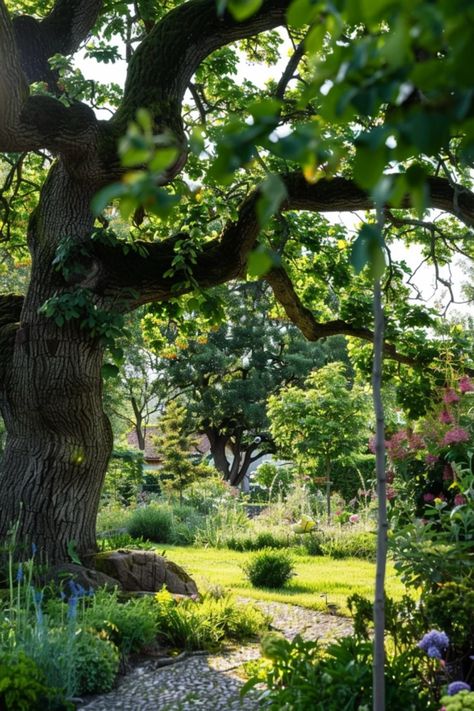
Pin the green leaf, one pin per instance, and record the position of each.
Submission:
(302, 12)
(369, 165)
(72, 553)
(109, 370)
(243, 9)
(260, 262)
(272, 194)
(103, 197)
(264, 108)
(163, 158)
(367, 250)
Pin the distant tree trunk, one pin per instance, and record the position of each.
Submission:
(58, 438)
(233, 471)
(138, 424)
(382, 528)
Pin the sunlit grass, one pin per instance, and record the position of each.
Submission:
(317, 578)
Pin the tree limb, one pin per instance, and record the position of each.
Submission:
(61, 32)
(13, 85)
(162, 66)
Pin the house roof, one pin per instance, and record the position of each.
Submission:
(151, 453)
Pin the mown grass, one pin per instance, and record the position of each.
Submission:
(319, 580)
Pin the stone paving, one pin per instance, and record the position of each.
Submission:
(211, 682)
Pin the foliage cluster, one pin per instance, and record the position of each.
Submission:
(269, 568)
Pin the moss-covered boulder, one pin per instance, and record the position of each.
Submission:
(138, 570)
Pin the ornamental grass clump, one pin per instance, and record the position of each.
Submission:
(269, 569)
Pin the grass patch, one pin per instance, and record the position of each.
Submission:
(316, 577)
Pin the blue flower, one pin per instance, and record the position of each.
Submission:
(456, 686)
(34, 549)
(72, 608)
(19, 573)
(434, 643)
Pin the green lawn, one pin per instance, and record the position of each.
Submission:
(315, 577)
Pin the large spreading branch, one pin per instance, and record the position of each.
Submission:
(162, 66)
(223, 259)
(34, 122)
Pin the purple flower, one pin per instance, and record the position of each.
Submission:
(457, 434)
(434, 643)
(456, 686)
(466, 385)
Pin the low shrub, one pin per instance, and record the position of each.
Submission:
(96, 663)
(186, 521)
(153, 523)
(192, 624)
(130, 625)
(269, 569)
(257, 541)
(313, 542)
(113, 517)
(23, 685)
(350, 545)
(227, 521)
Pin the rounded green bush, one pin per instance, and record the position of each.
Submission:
(96, 663)
(153, 523)
(269, 569)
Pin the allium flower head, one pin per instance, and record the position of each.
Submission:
(445, 417)
(466, 385)
(448, 474)
(428, 498)
(456, 686)
(456, 435)
(450, 396)
(459, 500)
(354, 518)
(431, 459)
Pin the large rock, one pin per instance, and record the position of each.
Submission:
(138, 570)
(86, 577)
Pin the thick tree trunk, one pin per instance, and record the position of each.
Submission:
(58, 437)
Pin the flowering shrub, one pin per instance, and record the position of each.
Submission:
(434, 643)
(424, 458)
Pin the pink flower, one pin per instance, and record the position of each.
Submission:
(457, 434)
(353, 518)
(416, 441)
(445, 417)
(390, 476)
(466, 385)
(448, 474)
(428, 498)
(391, 493)
(459, 500)
(431, 459)
(450, 396)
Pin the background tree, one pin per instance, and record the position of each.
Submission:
(178, 466)
(351, 139)
(322, 423)
(227, 373)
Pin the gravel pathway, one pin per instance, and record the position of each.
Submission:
(213, 681)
